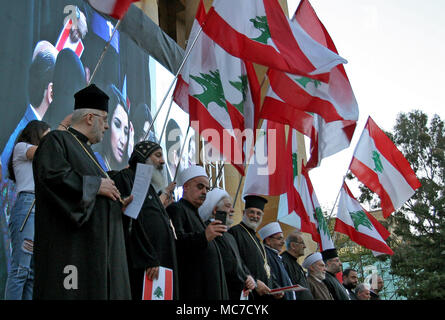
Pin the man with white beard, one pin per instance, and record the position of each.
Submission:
(316, 268)
(251, 248)
(150, 239)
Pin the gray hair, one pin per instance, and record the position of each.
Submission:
(78, 114)
(362, 286)
(220, 204)
(292, 237)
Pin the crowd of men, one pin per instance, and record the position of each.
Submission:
(80, 225)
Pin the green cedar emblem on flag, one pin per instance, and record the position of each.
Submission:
(322, 225)
(241, 86)
(213, 89)
(360, 218)
(261, 24)
(158, 293)
(377, 162)
(304, 81)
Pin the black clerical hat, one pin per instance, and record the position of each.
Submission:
(91, 97)
(329, 254)
(141, 151)
(253, 201)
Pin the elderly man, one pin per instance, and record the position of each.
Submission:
(362, 292)
(295, 249)
(237, 275)
(251, 249)
(333, 266)
(315, 266)
(201, 271)
(150, 239)
(273, 239)
(376, 288)
(350, 281)
(79, 246)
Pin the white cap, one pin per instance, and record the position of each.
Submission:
(311, 259)
(212, 198)
(190, 173)
(269, 229)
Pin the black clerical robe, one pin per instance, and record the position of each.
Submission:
(150, 239)
(79, 246)
(201, 271)
(280, 277)
(252, 253)
(335, 288)
(235, 271)
(297, 276)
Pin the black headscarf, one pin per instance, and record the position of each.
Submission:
(141, 151)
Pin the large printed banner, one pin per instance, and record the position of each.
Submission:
(49, 52)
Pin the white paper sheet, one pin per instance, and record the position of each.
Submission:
(140, 188)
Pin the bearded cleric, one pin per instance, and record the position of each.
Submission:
(150, 239)
(79, 247)
(251, 248)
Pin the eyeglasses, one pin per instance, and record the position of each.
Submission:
(298, 242)
(104, 118)
(278, 238)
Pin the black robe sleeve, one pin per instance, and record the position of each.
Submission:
(60, 179)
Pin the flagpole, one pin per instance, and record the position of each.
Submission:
(174, 80)
(237, 190)
(104, 51)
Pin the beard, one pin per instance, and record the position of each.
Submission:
(320, 275)
(250, 223)
(159, 176)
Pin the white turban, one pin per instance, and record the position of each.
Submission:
(311, 259)
(212, 198)
(269, 229)
(190, 173)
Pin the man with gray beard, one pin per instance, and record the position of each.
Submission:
(316, 268)
(150, 239)
(251, 248)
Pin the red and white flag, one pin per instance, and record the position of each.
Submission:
(360, 226)
(159, 289)
(114, 8)
(258, 31)
(221, 92)
(379, 165)
(64, 40)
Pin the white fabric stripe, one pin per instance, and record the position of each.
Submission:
(391, 179)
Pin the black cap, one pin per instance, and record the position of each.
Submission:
(253, 201)
(91, 97)
(141, 151)
(329, 254)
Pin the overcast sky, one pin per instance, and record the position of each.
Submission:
(395, 51)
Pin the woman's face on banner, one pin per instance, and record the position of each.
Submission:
(119, 133)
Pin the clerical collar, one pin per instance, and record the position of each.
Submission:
(79, 135)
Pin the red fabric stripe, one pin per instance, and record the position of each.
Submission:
(362, 239)
(283, 113)
(392, 154)
(168, 292)
(148, 288)
(120, 8)
(371, 180)
(79, 49)
(298, 98)
(199, 113)
(64, 36)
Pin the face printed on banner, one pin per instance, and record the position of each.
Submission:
(119, 133)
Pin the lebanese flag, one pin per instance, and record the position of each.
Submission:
(115, 8)
(360, 226)
(333, 99)
(295, 207)
(258, 31)
(222, 93)
(313, 208)
(270, 166)
(379, 165)
(159, 289)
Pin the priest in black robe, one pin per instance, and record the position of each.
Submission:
(201, 271)
(333, 266)
(273, 239)
(79, 246)
(150, 238)
(294, 249)
(251, 248)
(239, 281)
